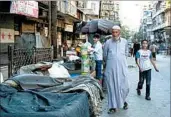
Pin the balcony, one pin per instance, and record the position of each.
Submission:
(161, 26)
(71, 10)
(107, 7)
(149, 21)
(159, 12)
(149, 30)
(61, 6)
(44, 2)
(67, 8)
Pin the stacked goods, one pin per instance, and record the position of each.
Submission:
(85, 62)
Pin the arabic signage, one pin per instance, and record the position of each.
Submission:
(27, 8)
(6, 35)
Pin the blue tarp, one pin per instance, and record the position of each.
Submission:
(42, 104)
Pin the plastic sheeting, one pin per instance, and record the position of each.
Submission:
(78, 84)
(32, 81)
(26, 40)
(55, 71)
(42, 104)
(98, 25)
(58, 71)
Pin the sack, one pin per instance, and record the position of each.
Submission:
(58, 71)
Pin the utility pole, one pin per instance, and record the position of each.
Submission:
(100, 9)
(54, 28)
(49, 20)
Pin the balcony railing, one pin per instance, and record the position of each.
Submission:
(163, 25)
(67, 8)
(158, 12)
(71, 10)
(61, 6)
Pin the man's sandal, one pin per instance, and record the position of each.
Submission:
(111, 111)
(125, 107)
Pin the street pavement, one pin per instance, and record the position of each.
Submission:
(159, 106)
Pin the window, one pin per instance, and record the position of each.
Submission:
(93, 6)
(105, 7)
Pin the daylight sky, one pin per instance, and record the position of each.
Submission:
(131, 13)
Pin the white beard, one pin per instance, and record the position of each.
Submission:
(116, 38)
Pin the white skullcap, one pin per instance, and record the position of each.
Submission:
(116, 27)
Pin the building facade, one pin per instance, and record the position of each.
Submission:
(146, 22)
(109, 10)
(162, 22)
(23, 28)
(18, 27)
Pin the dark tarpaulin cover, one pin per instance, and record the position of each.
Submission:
(42, 104)
(98, 26)
(34, 81)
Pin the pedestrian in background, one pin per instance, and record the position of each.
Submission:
(144, 61)
(116, 77)
(65, 47)
(136, 47)
(153, 49)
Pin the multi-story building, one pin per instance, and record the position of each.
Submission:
(162, 21)
(109, 10)
(19, 27)
(90, 9)
(22, 28)
(146, 22)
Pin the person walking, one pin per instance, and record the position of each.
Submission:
(98, 56)
(116, 73)
(153, 49)
(136, 47)
(65, 47)
(144, 60)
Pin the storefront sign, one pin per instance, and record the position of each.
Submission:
(27, 8)
(6, 35)
(60, 23)
(82, 36)
(16, 33)
(68, 28)
(28, 27)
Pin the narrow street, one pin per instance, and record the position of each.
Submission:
(159, 106)
(52, 55)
